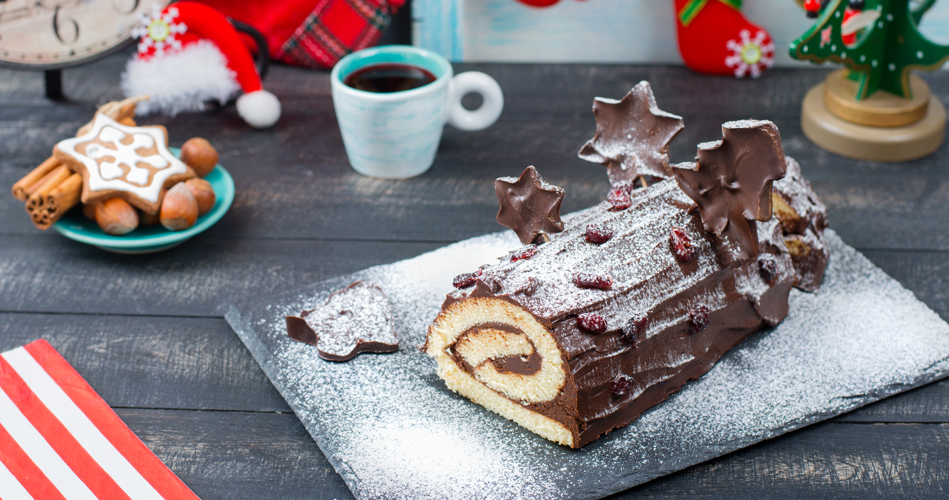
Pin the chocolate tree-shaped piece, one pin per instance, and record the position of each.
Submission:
(632, 136)
(529, 206)
(886, 46)
(731, 180)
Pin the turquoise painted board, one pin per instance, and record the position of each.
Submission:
(610, 31)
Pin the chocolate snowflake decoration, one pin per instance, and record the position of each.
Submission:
(529, 206)
(731, 181)
(632, 136)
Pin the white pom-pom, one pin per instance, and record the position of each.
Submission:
(260, 109)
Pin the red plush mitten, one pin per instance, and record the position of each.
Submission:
(715, 38)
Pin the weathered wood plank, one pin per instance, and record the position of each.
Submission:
(532, 88)
(48, 273)
(199, 363)
(265, 455)
(237, 454)
(291, 186)
(152, 362)
(823, 461)
(927, 404)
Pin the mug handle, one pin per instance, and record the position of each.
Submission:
(490, 110)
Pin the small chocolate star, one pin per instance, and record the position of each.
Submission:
(529, 206)
(731, 181)
(632, 136)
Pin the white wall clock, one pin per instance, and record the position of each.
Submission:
(51, 35)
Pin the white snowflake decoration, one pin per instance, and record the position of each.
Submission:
(158, 31)
(750, 56)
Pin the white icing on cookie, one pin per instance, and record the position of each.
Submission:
(104, 162)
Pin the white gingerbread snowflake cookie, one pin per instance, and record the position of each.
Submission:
(115, 160)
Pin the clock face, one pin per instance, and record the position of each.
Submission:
(46, 34)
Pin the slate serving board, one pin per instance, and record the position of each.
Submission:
(392, 430)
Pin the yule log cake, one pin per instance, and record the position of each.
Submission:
(581, 330)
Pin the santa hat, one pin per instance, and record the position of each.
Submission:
(189, 53)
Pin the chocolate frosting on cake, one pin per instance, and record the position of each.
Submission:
(578, 336)
(649, 282)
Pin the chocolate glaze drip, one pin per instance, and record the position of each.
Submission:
(649, 281)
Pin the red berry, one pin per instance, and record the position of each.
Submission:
(598, 233)
(619, 198)
(591, 322)
(621, 385)
(635, 330)
(465, 280)
(524, 253)
(681, 244)
(768, 268)
(586, 280)
(699, 317)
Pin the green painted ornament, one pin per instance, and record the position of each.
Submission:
(884, 43)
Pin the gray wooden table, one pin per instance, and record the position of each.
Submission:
(147, 332)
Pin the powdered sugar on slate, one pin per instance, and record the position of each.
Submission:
(392, 430)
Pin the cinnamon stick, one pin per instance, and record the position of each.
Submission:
(22, 191)
(38, 199)
(65, 196)
(32, 189)
(40, 220)
(57, 202)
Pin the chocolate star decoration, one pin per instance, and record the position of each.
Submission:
(632, 136)
(731, 181)
(529, 206)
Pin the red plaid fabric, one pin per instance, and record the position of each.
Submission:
(336, 28)
(312, 33)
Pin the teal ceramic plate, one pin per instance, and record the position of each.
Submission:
(155, 238)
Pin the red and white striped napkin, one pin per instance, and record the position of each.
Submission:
(60, 440)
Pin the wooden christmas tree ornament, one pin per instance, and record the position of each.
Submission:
(875, 109)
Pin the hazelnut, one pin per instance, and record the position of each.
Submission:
(200, 155)
(204, 193)
(179, 208)
(115, 216)
(89, 210)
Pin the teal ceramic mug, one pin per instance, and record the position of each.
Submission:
(395, 135)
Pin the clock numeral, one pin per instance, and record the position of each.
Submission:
(120, 10)
(65, 28)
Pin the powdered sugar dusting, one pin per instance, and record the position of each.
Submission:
(392, 429)
(358, 313)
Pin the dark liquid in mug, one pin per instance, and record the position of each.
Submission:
(385, 78)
